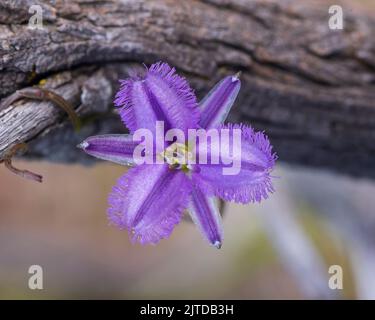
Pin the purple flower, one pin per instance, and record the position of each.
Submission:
(150, 199)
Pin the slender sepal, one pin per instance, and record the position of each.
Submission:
(218, 102)
(118, 148)
(205, 214)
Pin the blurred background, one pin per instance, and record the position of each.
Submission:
(281, 248)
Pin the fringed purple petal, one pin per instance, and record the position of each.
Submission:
(218, 102)
(136, 110)
(253, 180)
(205, 214)
(116, 148)
(149, 201)
(161, 95)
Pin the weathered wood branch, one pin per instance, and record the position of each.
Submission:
(309, 87)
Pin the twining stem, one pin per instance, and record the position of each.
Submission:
(41, 94)
(22, 173)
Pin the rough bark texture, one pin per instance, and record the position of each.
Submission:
(309, 87)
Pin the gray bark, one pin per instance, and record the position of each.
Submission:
(310, 88)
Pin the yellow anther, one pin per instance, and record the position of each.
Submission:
(177, 154)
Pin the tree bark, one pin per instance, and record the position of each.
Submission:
(310, 88)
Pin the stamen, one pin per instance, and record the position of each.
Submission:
(177, 156)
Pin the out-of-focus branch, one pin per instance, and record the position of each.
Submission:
(296, 251)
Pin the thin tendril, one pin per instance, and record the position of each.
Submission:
(22, 173)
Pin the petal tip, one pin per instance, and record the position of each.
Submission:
(217, 244)
(83, 145)
(237, 76)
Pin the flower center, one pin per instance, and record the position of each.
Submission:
(178, 156)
